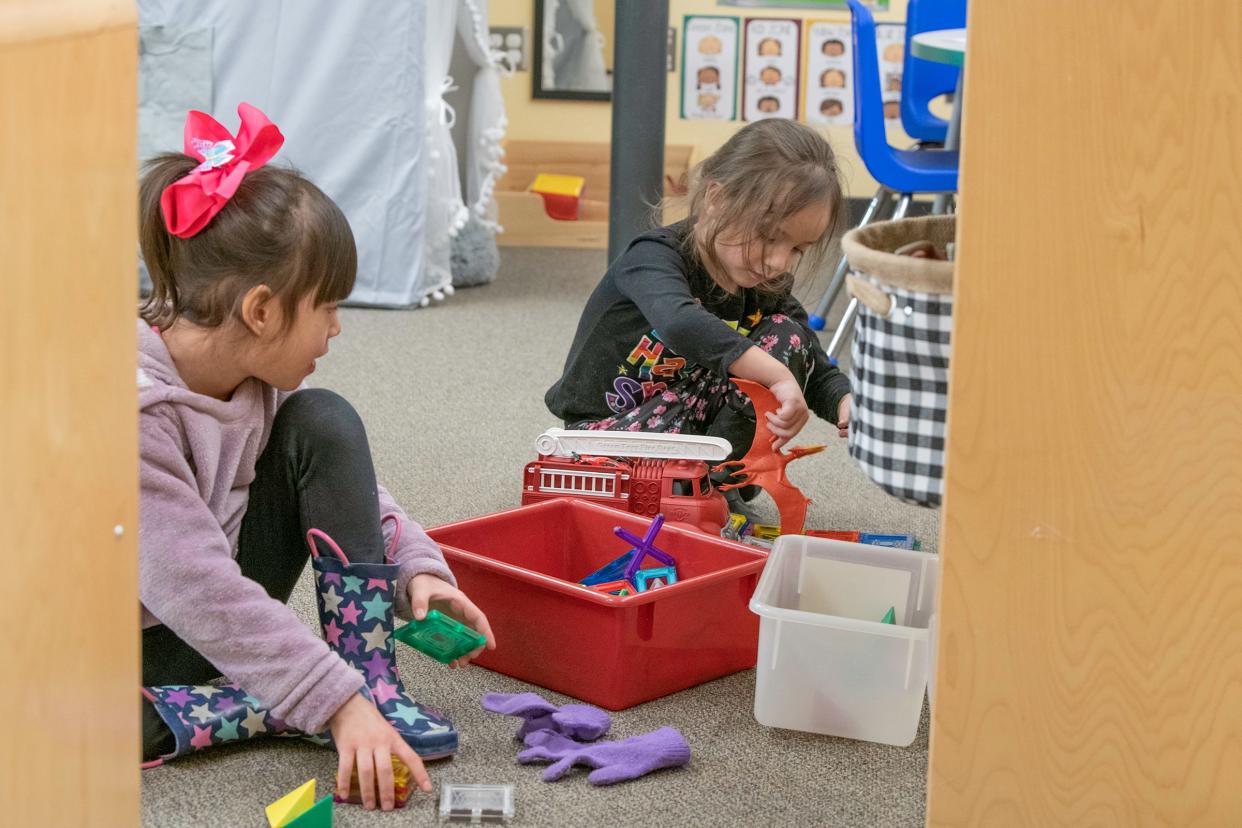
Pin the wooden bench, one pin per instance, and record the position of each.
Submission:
(522, 215)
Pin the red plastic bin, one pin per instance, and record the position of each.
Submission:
(522, 566)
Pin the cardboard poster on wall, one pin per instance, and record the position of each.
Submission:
(770, 65)
(828, 74)
(709, 60)
(890, 44)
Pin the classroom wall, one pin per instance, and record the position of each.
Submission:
(606, 22)
(546, 120)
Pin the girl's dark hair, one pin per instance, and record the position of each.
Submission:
(278, 230)
(768, 171)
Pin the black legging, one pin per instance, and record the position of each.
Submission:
(315, 471)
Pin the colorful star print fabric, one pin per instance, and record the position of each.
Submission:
(356, 612)
(201, 716)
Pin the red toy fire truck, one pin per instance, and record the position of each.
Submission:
(639, 472)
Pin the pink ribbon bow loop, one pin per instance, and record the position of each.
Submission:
(190, 203)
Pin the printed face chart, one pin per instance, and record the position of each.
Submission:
(829, 94)
(771, 64)
(890, 42)
(709, 67)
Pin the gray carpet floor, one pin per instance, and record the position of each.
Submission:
(453, 400)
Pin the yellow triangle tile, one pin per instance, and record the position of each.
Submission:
(291, 805)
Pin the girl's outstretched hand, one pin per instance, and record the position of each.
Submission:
(427, 592)
(843, 415)
(788, 420)
(364, 738)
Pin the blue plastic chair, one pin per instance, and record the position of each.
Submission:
(902, 171)
(922, 81)
(899, 171)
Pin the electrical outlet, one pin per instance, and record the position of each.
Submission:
(510, 41)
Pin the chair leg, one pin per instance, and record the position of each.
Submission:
(843, 329)
(875, 209)
(847, 321)
(947, 202)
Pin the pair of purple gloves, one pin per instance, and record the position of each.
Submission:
(551, 734)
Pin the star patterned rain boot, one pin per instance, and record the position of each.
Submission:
(201, 716)
(356, 611)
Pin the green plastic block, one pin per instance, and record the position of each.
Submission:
(440, 637)
(890, 617)
(318, 815)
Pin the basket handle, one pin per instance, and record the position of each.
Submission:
(879, 302)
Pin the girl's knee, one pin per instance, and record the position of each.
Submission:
(781, 336)
(778, 324)
(320, 416)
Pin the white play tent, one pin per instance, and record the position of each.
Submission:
(357, 89)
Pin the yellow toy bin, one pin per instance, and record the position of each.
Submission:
(560, 194)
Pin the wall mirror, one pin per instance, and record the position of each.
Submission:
(573, 49)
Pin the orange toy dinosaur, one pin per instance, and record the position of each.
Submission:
(764, 466)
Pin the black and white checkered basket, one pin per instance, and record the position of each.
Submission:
(901, 355)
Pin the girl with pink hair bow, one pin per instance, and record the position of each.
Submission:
(246, 474)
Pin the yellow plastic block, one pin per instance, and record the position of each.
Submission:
(291, 806)
(765, 532)
(567, 185)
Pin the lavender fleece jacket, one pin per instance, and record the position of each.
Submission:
(198, 459)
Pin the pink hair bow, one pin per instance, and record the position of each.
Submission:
(191, 202)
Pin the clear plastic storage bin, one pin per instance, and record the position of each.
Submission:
(827, 663)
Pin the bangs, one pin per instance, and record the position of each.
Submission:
(339, 271)
(763, 203)
(329, 260)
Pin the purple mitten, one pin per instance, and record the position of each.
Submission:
(577, 721)
(613, 761)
